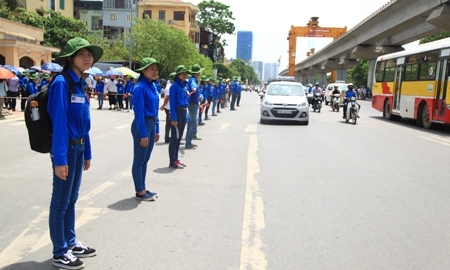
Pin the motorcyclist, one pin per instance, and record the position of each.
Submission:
(349, 93)
(316, 90)
(335, 91)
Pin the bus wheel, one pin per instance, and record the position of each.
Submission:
(387, 110)
(425, 117)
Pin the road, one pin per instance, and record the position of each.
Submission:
(329, 195)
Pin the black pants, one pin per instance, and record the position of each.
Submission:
(167, 126)
(12, 99)
(238, 99)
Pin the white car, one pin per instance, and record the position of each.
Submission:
(341, 87)
(285, 101)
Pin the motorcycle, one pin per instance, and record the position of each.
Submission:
(261, 95)
(317, 102)
(336, 102)
(352, 111)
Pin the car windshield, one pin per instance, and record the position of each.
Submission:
(285, 90)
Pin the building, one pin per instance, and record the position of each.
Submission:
(270, 71)
(65, 7)
(117, 17)
(244, 46)
(258, 67)
(90, 12)
(20, 45)
(176, 13)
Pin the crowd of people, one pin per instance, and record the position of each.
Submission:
(189, 99)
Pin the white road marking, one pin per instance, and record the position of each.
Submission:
(252, 257)
(437, 139)
(33, 238)
(223, 127)
(123, 126)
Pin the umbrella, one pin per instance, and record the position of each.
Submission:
(37, 68)
(126, 71)
(11, 68)
(95, 71)
(6, 74)
(113, 72)
(52, 67)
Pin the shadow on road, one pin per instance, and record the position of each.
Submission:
(125, 204)
(31, 265)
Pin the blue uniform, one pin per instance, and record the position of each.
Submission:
(32, 88)
(178, 97)
(71, 117)
(191, 85)
(145, 104)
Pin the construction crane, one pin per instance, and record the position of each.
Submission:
(312, 29)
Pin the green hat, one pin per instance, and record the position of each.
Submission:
(120, 79)
(46, 76)
(181, 69)
(25, 72)
(196, 69)
(34, 76)
(146, 62)
(76, 44)
(204, 78)
(235, 78)
(172, 75)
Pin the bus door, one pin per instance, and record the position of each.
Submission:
(397, 87)
(442, 89)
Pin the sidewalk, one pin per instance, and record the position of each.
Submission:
(11, 115)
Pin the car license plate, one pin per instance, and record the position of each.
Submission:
(284, 111)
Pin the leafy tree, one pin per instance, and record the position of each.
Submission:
(246, 72)
(435, 37)
(217, 18)
(359, 74)
(29, 18)
(59, 29)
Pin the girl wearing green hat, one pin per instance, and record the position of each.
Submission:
(145, 126)
(71, 149)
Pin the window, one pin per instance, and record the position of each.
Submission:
(427, 71)
(178, 15)
(162, 15)
(119, 4)
(411, 72)
(113, 16)
(129, 17)
(61, 4)
(147, 13)
(389, 74)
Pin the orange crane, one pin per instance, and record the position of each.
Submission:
(312, 29)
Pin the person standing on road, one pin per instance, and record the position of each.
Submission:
(166, 107)
(145, 126)
(129, 93)
(194, 98)
(13, 92)
(23, 85)
(71, 150)
(233, 91)
(99, 90)
(178, 98)
(209, 96)
(3, 90)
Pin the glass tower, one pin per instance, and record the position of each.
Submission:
(244, 46)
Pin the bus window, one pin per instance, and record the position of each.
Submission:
(379, 71)
(389, 74)
(427, 71)
(411, 72)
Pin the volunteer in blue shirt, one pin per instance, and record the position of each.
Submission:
(99, 88)
(129, 93)
(71, 150)
(32, 87)
(178, 99)
(194, 98)
(120, 92)
(23, 85)
(233, 92)
(238, 94)
(349, 93)
(209, 96)
(145, 126)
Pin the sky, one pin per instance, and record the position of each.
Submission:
(270, 22)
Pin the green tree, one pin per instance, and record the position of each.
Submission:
(359, 74)
(441, 35)
(216, 18)
(244, 71)
(59, 29)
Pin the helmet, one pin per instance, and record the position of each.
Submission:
(316, 83)
(350, 84)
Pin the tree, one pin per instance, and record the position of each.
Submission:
(216, 18)
(246, 72)
(435, 37)
(59, 29)
(359, 74)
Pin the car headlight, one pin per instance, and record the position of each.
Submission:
(267, 103)
(302, 104)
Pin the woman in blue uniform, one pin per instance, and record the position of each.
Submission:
(145, 126)
(71, 149)
(178, 99)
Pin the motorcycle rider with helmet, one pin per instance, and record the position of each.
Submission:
(335, 91)
(316, 90)
(349, 93)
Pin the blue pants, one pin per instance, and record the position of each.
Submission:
(100, 100)
(193, 122)
(233, 101)
(62, 204)
(141, 155)
(176, 133)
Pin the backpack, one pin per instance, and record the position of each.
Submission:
(37, 119)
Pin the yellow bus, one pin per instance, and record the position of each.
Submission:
(414, 84)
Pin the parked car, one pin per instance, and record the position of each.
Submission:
(341, 87)
(285, 101)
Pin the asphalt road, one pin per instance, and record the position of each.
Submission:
(329, 195)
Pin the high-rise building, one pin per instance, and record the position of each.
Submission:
(270, 71)
(258, 67)
(244, 46)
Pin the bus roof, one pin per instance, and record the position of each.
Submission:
(430, 46)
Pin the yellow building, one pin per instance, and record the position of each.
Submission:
(65, 7)
(173, 12)
(20, 45)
